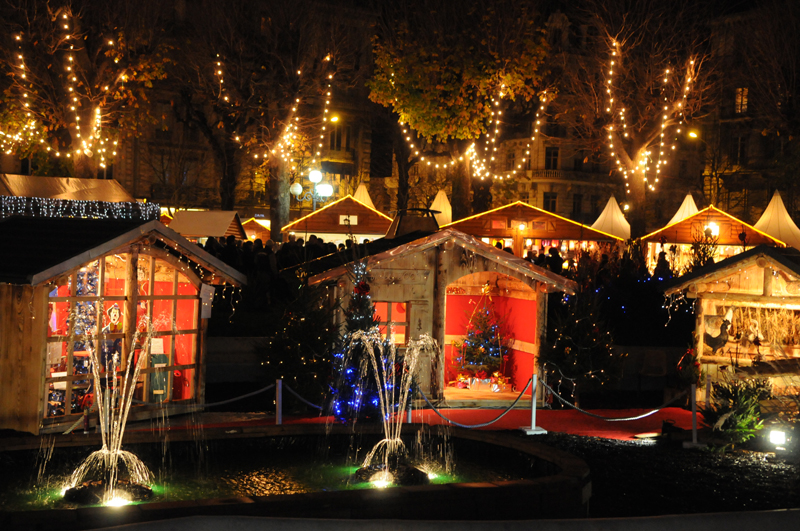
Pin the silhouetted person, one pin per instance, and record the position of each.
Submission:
(662, 270)
(554, 261)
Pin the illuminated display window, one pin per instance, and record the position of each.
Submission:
(393, 319)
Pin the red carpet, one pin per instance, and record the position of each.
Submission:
(562, 421)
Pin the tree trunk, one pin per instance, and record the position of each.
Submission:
(228, 179)
(460, 200)
(278, 201)
(401, 155)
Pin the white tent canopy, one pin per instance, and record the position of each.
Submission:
(441, 204)
(362, 196)
(777, 222)
(687, 208)
(612, 220)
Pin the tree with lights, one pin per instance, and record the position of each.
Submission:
(353, 394)
(644, 77)
(300, 349)
(443, 68)
(76, 78)
(485, 349)
(257, 82)
(579, 350)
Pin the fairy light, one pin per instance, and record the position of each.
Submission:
(617, 129)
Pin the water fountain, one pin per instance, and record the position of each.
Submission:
(388, 462)
(111, 475)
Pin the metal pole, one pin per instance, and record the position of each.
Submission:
(533, 400)
(410, 405)
(278, 402)
(533, 429)
(694, 413)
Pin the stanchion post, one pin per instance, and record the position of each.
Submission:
(278, 402)
(410, 404)
(694, 413)
(533, 429)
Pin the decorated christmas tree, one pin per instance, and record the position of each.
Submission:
(353, 395)
(484, 350)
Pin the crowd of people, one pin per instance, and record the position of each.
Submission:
(262, 262)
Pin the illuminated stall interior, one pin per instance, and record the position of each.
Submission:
(730, 235)
(122, 285)
(747, 312)
(522, 228)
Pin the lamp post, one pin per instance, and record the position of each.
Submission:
(319, 191)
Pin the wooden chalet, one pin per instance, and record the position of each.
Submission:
(429, 285)
(198, 225)
(340, 220)
(732, 236)
(257, 228)
(70, 287)
(747, 313)
(524, 228)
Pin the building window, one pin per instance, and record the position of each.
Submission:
(577, 162)
(595, 205)
(335, 138)
(510, 160)
(577, 204)
(739, 150)
(549, 201)
(87, 318)
(393, 320)
(551, 158)
(740, 105)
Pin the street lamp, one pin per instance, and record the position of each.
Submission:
(319, 192)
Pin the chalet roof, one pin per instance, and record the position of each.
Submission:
(64, 188)
(687, 208)
(36, 250)
(462, 240)
(612, 221)
(539, 224)
(207, 223)
(327, 219)
(776, 222)
(786, 258)
(685, 230)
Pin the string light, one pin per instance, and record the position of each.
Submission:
(66, 208)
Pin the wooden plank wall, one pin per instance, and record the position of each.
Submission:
(23, 336)
(540, 225)
(327, 220)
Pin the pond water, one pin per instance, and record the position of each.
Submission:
(255, 467)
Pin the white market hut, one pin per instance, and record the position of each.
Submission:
(428, 285)
(362, 196)
(71, 286)
(777, 222)
(442, 205)
(612, 220)
(687, 208)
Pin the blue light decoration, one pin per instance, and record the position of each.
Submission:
(351, 395)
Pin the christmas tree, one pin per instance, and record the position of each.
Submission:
(484, 349)
(352, 394)
(579, 347)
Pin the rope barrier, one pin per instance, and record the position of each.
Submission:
(300, 397)
(483, 425)
(607, 419)
(222, 403)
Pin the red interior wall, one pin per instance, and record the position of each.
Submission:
(520, 323)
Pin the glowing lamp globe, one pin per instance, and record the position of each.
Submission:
(315, 176)
(325, 190)
(296, 189)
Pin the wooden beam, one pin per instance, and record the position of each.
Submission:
(767, 302)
